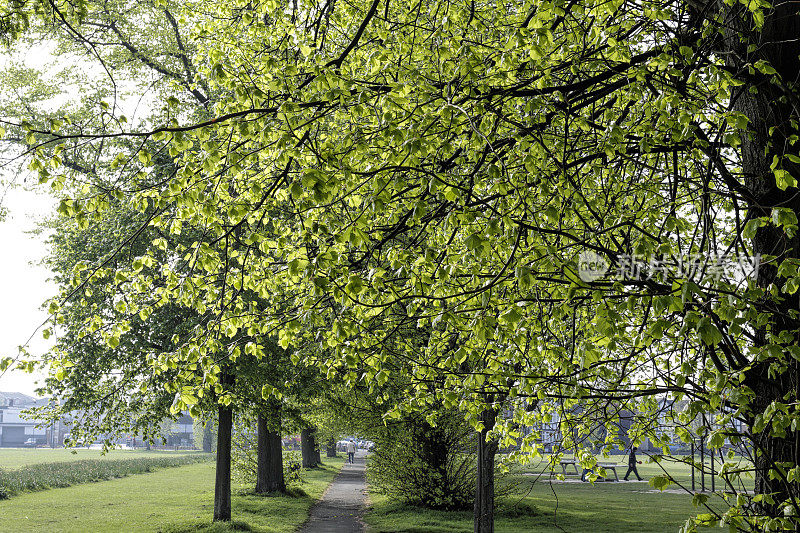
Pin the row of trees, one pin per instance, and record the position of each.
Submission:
(113, 387)
(410, 193)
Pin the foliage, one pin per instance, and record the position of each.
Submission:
(425, 465)
(384, 167)
(43, 476)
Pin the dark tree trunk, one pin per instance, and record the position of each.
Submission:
(317, 452)
(269, 477)
(308, 447)
(768, 133)
(484, 486)
(208, 438)
(331, 449)
(222, 486)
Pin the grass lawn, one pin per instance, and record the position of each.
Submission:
(17, 457)
(172, 500)
(536, 506)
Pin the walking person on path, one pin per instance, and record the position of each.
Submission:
(351, 451)
(632, 464)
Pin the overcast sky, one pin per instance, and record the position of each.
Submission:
(23, 283)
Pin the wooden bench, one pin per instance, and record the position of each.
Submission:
(574, 463)
(610, 466)
(566, 462)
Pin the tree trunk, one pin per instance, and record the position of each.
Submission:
(269, 477)
(208, 437)
(768, 136)
(308, 447)
(331, 450)
(222, 486)
(484, 486)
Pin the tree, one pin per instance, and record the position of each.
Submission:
(108, 375)
(222, 483)
(270, 453)
(494, 156)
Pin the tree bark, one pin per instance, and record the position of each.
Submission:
(331, 450)
(317, 451)
(484, 486)
(308, 447)
(222, 485)
(269, 477)
(208, 437)
(769, 113)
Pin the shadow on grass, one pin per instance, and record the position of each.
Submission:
(403, 518)
(206, 527)
(291, 492)
(397, 517)
(516, 510)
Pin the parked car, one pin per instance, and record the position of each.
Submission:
(30, 443)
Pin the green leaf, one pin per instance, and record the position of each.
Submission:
(708, 332)
(783, 179)
(511, 316)
(659, 482)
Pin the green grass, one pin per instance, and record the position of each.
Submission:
(172, 500)
(538, 506)
(18, 457)
(679, 471)
(43, 476)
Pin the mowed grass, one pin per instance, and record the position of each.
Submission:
(44, 476)
(540, 503)
(17, 457)
(172, 500)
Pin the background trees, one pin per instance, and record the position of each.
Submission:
(390, 167)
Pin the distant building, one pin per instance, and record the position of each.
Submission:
(19, 430)
(15, 430)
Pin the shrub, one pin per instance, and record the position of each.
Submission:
(45, 476)
(426, 465)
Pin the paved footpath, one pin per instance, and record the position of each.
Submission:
(341, 507)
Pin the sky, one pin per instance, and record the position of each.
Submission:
(24, 283)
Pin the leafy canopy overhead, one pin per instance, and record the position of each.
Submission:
(372, 169)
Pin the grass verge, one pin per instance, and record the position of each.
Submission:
(173, 500)
(537, 505)
(19, 457)
(43, 476)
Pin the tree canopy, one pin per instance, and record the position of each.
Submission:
(388, 171)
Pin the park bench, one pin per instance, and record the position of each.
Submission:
(566, 462)
(574, 463)
(610, 466)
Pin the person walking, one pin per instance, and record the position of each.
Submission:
(351, 451)
(632, 462)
